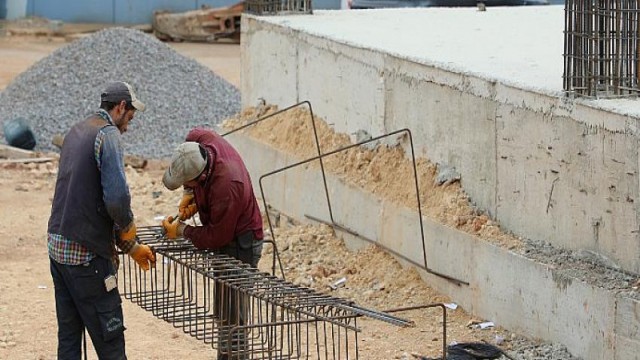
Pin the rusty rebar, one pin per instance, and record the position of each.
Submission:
(601, 48)
(239, 310)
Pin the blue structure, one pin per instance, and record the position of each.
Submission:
(114, 11)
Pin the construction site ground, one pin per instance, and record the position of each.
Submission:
(313, 255)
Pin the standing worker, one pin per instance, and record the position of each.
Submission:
(91, 212)
(217, 185)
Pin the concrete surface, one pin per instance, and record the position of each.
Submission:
(546, 167)
(509, 289)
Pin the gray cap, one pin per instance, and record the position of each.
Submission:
(118, 91)
(186, 164)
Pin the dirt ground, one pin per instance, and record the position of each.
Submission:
(27, 310)
(16, 55)
(312, 254)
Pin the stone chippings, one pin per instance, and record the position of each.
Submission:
(65, 87)
(588, 267)
(528, 350)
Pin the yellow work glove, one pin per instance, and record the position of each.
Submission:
(129, 234)
(142, 255)
(187, 207)
(172, 229)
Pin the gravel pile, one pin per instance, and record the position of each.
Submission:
(587, 266)
(527, 350)
(65, 87)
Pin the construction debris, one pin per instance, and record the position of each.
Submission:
(12, 152)
(339, 283)
(13, 155)
(205, 25)
(26, 160)
(57, 140)
(135, 162)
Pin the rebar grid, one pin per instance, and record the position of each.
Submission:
(278, 7)
(601, 48)
(237, 308)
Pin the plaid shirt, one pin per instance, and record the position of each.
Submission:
(68, 252)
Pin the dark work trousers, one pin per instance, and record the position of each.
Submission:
(231, 306)
(82, 301)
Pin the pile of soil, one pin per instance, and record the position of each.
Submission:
(384, 170)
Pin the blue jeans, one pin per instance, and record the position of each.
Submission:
(82, 301)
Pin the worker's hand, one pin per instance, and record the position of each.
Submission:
(142, 255)
(187, 207)
(172, 229)
(129, 234)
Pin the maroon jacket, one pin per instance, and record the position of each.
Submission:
(225, 199)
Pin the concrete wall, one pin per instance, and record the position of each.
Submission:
(546, 168)
(511, 290)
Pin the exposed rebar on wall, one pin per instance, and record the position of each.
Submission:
(601, 48)
(278, 7)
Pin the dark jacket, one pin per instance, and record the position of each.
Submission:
(79, 212)
(224, 196)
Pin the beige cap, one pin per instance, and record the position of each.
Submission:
(118, 91)
(186, 164)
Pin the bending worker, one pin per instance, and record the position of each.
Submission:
(91, 212)
(217, 185)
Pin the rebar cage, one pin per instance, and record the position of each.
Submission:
(277, 7)
(601, 48)
(240, 311)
